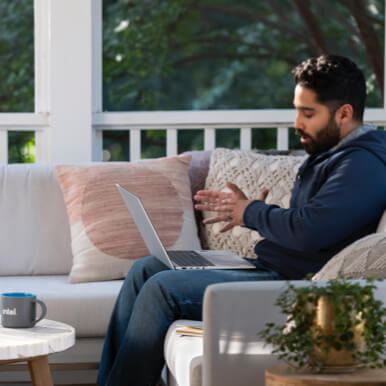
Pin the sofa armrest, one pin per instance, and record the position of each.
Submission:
(233, 314)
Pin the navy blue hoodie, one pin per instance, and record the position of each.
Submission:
(338, 197)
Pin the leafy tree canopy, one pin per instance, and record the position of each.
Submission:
(222, 54)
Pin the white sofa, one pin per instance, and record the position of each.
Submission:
(35, 256)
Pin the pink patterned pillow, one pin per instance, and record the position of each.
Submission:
(105, 240)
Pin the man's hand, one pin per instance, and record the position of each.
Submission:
(230, 207)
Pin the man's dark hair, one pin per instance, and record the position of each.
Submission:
(336, 81)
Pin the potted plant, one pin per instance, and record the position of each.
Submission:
(334, 328)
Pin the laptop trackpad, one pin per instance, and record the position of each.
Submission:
(223, 257)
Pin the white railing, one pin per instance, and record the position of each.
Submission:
(245, 120)
(172, 122)
(209, 139)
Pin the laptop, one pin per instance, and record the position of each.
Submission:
(196, 259)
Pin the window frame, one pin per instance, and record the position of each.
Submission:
(68, 118)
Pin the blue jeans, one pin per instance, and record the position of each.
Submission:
(151, 298)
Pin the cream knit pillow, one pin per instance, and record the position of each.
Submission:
(251, 172)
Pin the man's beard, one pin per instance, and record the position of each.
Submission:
(324, 140)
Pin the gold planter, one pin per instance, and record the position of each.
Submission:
(336, 360)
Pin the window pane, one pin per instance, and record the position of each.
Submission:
(16, 56)
(21, 147)
(116, 145)
(229, 138)
(222, 54)
(190, 140)
(153, 143)
(264, 138)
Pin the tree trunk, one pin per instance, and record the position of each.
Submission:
(311, 23)
(369, 38)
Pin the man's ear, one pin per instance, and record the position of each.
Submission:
(344, 114)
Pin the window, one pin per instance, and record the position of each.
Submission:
(17, 72)
(224, 55)
(16, 56)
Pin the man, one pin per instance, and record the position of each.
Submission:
(339, 196)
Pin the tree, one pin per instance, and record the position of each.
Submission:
(17, 71)
(219, 54)
(16, 56)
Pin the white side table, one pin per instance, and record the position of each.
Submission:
(33, 345)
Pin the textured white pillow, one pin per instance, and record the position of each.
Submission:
(365, 258)
(251, 172)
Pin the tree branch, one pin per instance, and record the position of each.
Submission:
(247, 14)
(223, 40)
(311, 23)
(217, 55)
(369, 38)
(278, 9)
(330, 10)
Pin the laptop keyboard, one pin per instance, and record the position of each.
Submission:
(188, 259)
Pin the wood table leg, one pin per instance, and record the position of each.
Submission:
(40, 371)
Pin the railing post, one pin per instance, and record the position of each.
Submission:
(282, 138)
(3, 146)
(97, 145)
(171, 142)
(135, 144)
(209, 138)
(70, 58)
(42, 21)
(97, 103)
(245, 138)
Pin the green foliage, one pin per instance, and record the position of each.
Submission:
(190, 140)
(17, 72)
(153, 143)
(296, 341)
(21, 147)
(218, 54)
(116, 145)
(221, 54)
(16, 56)
(229, 138)
(264, 139)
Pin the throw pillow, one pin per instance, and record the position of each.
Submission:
(105, 240)
(251, 172)
(365, 258)
(382, 223)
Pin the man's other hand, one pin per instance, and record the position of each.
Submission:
(230, 206)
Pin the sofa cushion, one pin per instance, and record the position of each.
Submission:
(251, 172)
(85, 306)
(365, 258)
(34, 232)
(105, 239)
